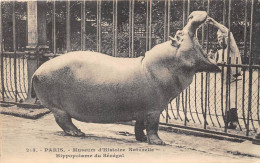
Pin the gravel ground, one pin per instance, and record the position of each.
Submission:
(41, 140)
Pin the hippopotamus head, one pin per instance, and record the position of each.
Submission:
(183, 53)
(195, 19)
(188, 47)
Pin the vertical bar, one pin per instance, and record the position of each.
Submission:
(27, 25)
(243, 97)
(8, 92)
(150, 24)
(227, 91)
(14, 47)
(169, 18)
(147, 26)
(190, 108)
(245, 29)
(2, 57)
(33, 39)
(183, 106)
(188, 8)
(258, 116)
(183, 13)
(229, 26)
(224, 12)
(222, 67)
(132, 27)
(130, 54)
(99, 26)
(178, 107)
(186, 98)
(236, 84)
(201, 100)
(165, 32)
(54, 26)
(115, 27)
(215, 98)
(206, 99)
(68, 32)
(167, 114)
(207, 75)
(12, 91)
(228, 68)
(245, 53)
(222, 86)
(250, 68)
(24, 85)
(20, 94)
(183, 24)
(202, 43)
(133, 11)
(237, 92)
(165, 21)
(83, 25)
(195, 96)
(173, 112)
(207, 36)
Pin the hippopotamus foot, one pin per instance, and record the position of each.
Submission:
(141, 138)
(154, 139)
(139, 131)
(74, 133)
(152, 125)
(64, 121)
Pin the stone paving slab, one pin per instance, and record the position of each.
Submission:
(27, 140)
(30, 113)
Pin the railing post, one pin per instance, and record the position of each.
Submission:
(32, 41)
(83, 25)
(1, 55)
(54, 27)
(99, 26)
(150, 24)
(250, 69)
(15, 55)
(228, 75)
(115, 22)
(37, 36)
(68, 32)
(131, 29)
(257, 137)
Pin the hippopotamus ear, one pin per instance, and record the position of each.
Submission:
(174, 42)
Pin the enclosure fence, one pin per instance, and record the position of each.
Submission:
(129, 29)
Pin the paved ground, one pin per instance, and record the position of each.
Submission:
(24, 140)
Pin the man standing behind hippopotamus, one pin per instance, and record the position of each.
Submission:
(93, 87)
(235, 75)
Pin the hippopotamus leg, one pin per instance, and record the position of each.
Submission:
(139, 130)
(64, 121)
(152, 124)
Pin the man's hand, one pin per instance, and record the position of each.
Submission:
(221, 27)
(210, 21)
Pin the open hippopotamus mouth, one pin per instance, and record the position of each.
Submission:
(195, 20)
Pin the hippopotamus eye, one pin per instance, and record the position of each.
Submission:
(174, 42)
(179, 33)
(190, 17)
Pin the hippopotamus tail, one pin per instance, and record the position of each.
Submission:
(34, 79)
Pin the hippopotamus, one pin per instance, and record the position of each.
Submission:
(98, 88)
